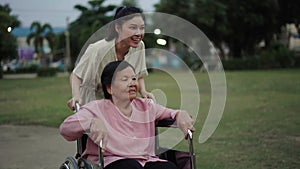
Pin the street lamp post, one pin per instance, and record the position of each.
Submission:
(68, 53)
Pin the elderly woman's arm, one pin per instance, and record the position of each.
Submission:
(184, 122)
(183, 119)
(84, 122)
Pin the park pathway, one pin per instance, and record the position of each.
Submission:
(34, 147)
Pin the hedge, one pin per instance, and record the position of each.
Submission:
(46, 72)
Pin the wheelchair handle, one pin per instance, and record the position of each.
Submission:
(77, 107)
(191, 148)
(101, 161)
(79, 140)
(190, 134)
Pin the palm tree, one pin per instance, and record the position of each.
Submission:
(39, 33)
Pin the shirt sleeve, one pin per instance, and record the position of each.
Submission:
(76, 125)
(162, 112)
(84, 63)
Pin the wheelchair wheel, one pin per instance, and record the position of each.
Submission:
(70, 163)
(85, 164)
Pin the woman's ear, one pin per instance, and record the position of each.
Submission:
(117, 28)
(108, 89)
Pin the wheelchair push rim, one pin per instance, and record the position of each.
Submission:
(70, 163)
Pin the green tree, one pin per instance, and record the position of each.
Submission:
(289, 13)
(249, 23)
(8, 43)
(210, 16)
(239, 24)
(92, 17)
(129, 3)
(38, 34)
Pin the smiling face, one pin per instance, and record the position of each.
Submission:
(124, 86)
(131, 32)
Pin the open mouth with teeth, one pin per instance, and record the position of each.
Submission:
(136, 38)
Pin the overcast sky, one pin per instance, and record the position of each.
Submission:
(55, 12)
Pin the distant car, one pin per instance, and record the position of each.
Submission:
(12, 66)
(60, 65)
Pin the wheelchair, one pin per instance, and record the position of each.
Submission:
(183, 160)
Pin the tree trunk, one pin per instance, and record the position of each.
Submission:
(236, 51)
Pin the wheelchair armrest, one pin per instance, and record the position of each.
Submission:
(166, 123)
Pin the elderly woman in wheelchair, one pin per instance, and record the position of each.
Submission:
(122, 123)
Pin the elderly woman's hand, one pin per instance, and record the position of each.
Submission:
(185, 122)
(98, 132)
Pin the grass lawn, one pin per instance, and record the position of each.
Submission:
(260, 127)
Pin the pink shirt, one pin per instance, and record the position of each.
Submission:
(128, 137)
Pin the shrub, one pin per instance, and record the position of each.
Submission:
(277, 56)
(297, 61)
(241, 64)
(46, 72)
(1, 72)
(28, 69)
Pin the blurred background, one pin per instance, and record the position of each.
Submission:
(244, 34)
(260, 123)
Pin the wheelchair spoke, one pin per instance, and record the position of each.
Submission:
(70, 163)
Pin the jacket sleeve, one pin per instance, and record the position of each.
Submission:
(86, 70)
(142, 72)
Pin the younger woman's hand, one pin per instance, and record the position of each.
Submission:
(71, 103)
(148, 95)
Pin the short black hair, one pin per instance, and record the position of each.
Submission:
(122, 14)
(107, 76)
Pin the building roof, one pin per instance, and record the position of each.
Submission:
(25, 31)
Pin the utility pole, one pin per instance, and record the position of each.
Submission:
(68, 52)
